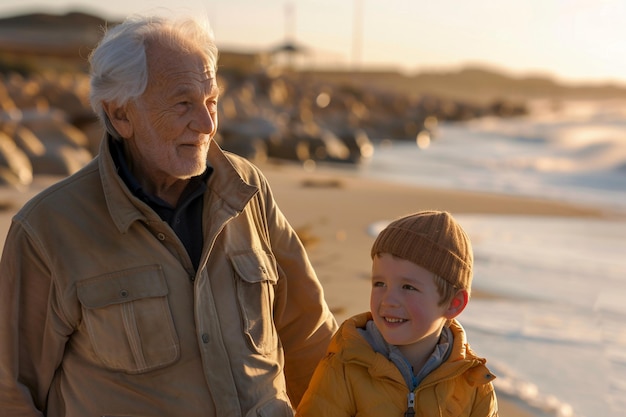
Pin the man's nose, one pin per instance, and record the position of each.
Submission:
(205, 121)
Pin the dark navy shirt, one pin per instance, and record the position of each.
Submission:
(186, 218)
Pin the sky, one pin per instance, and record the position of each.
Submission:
(571, 41)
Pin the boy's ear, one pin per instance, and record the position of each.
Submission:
(118, 116)
(457, 304)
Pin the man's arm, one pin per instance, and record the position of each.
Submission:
(303, 320)
(32, 337)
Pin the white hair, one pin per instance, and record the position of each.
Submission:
(119, 70)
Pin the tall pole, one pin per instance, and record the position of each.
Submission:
(290, 37)
(289, 22)
(357, 34)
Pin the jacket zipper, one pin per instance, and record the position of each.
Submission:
(410, 412)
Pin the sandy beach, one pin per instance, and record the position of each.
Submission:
(332, 209)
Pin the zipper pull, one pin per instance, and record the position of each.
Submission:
(410, 412)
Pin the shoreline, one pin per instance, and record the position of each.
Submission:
(333, 209)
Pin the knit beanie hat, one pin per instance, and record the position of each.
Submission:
(432, 240)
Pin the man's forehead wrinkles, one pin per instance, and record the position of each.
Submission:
(188, 78)
(194, 88)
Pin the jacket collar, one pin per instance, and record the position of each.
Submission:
(226, 181)
(353, 348)
(121, 203)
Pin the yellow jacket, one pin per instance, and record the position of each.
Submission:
(354, 380)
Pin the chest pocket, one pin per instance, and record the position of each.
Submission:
(255, 280)
(128, 319)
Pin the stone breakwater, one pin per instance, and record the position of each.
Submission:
(47, 126)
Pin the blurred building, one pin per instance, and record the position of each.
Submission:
(56, 41)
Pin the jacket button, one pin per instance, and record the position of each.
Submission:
(205, 338)
(123, 293)
(161, 236)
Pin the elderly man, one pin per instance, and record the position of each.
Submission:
(162, 279)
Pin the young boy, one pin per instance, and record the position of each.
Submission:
(408, 356)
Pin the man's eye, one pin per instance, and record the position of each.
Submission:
(182, 105)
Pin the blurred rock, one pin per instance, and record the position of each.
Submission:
(65, 146)
(15, 167)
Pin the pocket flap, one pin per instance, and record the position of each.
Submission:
(122, 287)
(255, 266)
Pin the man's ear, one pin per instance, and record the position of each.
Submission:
(118, 116)
(457, 304)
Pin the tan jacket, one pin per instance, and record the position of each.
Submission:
(102, 313)
(354, 380)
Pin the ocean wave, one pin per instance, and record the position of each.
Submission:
(533, 322)
(528, 395)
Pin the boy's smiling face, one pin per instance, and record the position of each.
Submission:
(405, 304)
